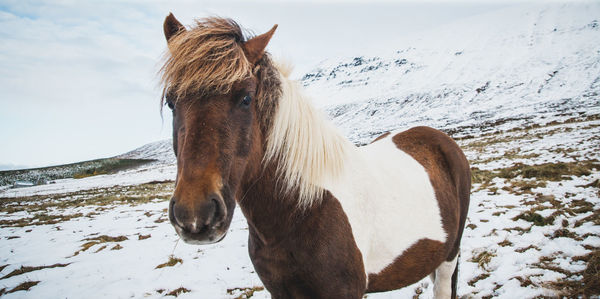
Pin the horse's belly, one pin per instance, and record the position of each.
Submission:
(415, 263)
(390, 204)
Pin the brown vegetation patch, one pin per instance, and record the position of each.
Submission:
(170, 263)
(38, 219)
(594, 218)
(103, 197)
(477, 278)
(548, 172)
(523, 249)
(177, 292)
(143, 237)
(26, 269)
(505, 243)
(246, 292)
(483, 258)
(535, 218)
(519, 229)
(582, 284)
(565, 233)
(99, 240)
(25, 286)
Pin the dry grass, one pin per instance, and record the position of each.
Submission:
(565, 233)
(170, 263)
(27, 269)
(246, 292)
(38, 219)
(177, 292)
(99, 240)
(116, 195)
(143, 237)
(483, 258)
(505, 243)
(582, 284)
(24, 286)
(534, 218)
(50, 209)
(477, 278)
(550, 171)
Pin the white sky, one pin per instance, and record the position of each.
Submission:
(78, 79)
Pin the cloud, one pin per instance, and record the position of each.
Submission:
(75, 78)
(78, 78)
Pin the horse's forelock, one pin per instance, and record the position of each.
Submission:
(206, 59)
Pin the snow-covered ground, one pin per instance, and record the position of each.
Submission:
(518, 88)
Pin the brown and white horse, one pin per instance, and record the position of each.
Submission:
(326, 219)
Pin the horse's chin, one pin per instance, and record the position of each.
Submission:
(200, 239)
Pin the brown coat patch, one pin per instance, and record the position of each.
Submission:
(449, 173)
(308, 254)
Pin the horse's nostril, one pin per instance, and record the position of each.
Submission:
(220, 212)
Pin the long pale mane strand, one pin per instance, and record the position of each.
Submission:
(310, 152)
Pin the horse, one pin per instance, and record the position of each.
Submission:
(326, 219)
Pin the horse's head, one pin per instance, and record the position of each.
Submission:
(212, 80)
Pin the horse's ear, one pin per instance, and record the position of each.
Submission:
(255, 47)
(172, 27)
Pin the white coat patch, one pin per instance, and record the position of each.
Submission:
(389, 201)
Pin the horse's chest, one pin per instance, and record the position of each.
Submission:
(390, 203)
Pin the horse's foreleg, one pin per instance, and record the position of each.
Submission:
(442, 286)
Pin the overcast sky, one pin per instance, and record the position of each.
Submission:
(78, 79)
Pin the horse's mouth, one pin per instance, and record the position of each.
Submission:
(200, 238)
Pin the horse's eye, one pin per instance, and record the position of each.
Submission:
(246, 101)
(170, 105)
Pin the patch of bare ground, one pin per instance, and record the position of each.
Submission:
(27, 269)
(116, 195)
(576, 284)
(24, 286)
(144, 237)
(525, 128)
(245, 292)
(170, 263)
(177, 292)
(99, 240)
(483, 258)
(38, 219)
(477, 278)
(49, 209)
(557, 171)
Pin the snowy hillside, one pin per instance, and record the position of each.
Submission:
(518, 88)
(526, 64)
(160, 150)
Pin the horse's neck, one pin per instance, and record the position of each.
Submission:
(271, 212)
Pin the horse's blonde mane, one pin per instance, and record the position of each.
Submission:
(309, 150)
(207, 58)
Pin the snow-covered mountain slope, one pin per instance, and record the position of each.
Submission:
(525, 64)
(160, 150)
(519, 88)
(522, 65)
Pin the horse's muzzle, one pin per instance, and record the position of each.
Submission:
(203, 222)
